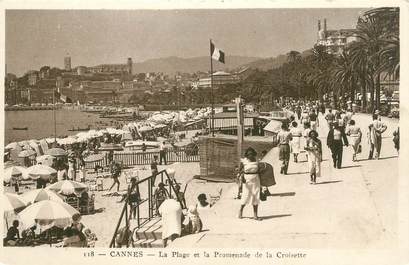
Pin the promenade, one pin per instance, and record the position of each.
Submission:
(352, 207)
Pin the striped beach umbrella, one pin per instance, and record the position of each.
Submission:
(68, 187)
(41, 195)
(45, 213)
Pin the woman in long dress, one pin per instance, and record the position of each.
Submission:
(251, 182)
(296, 141)
(314, 149)
(355, 136)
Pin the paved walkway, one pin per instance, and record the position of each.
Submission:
(352, 207)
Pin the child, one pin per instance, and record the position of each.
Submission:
(314, 149)
(160, 195)
(193, 223)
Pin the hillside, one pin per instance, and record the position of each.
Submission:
(171, 65)
(272, 62)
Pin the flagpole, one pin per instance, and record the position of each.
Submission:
(211, 90)
(55, 125)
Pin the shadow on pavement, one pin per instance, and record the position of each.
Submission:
(282, 194)
(297, 173)
(388, 157)
(350, 166)
(274, 216)
(328, 182)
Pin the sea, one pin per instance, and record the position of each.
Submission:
(40, 123)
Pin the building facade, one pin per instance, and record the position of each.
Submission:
(334, 41)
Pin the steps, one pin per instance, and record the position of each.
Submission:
(148, 235)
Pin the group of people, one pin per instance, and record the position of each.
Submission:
(294, 138)
(75, 235)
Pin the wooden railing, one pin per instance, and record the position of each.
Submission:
(133, 158)
(140, 220)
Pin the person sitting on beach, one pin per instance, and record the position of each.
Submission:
(77, 229)
(13, 235)
(83, 200)
(192, 224)
(202, 202)
(160, 195)
(28, 236)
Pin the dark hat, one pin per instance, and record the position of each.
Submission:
(313, 132)
(250, 152)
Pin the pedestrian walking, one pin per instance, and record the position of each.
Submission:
(304, 116)
(298, 111)
(162, 153)
(251, 182)
(335, 140)
(284, 137)
(296, 133)
(115, 172)
(355, 136)
(313, 117)
(396, 139)
(314, 149)
(376, 128)
(330, 118)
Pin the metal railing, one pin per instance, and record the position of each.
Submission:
(140, 220)
(129, 158)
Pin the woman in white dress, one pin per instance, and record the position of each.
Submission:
(355, 136)
(251, 182)
(296, 140)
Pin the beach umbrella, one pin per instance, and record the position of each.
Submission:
(11, 163)
(47, 212)
(68, 187)
(94, 158)
(56, 152)
(15, 172)
(12, 145)
(26, 153)
(45, 160)
(42, 171)
(12, 202)
(110, 147)
(41, 195)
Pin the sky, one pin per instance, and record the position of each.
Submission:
(35, 38)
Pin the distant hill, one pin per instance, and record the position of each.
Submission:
(272, 62)
(171, 65)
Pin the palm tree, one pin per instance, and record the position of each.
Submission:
(345, 76)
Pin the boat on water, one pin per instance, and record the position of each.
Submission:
(20, 128)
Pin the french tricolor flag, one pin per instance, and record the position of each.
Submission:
(216, 54)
